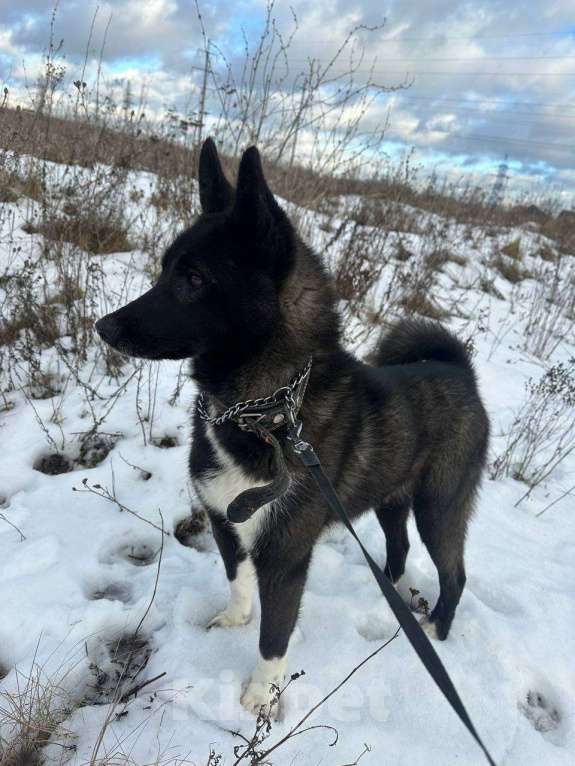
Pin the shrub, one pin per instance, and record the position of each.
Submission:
(509, 270)
(543, 432)
(512, 250)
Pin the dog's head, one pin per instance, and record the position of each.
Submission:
(220, 280)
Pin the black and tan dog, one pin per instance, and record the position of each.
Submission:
(244, 298)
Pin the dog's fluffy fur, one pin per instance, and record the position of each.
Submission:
(249, 302)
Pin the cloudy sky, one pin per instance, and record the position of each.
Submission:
(488, 79)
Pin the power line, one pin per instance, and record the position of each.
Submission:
(495, 125)
(459, 59)
(478, 137)
(502, 101)
(506, 102)
(510, 103)
(487, 113)
(467, 74)
(496, 113)
(463, 111)
(440, 37)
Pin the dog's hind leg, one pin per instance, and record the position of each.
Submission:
(442, 526)
(240, 572)
(393, 520)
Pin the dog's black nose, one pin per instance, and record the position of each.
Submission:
(108, 329)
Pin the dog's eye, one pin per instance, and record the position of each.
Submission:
(195, 279)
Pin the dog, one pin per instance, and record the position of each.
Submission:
(249, 303)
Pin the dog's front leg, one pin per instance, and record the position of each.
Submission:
(280, 596)
(240, 573)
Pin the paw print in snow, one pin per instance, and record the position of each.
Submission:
(540, 712)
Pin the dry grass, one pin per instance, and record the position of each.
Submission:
(509, 269)
(68, 292)
(89, 232)
(460, 260)
(41, 321)
(561, 229)
(530, 213)
(81, 142)
(402, 253)
(14, 185)
(9, 332)
(437, 259)
(7, 192)
(487, 286)
(30, 718)
(417, 301)
(543, 432)
(513, 250)
(547, 253)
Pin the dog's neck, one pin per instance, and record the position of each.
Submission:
(263, 372)
(308, 326)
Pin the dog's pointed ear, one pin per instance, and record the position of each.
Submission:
(254, 199)
(259, 216)
(216, 192)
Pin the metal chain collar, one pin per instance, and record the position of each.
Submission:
(290, 396)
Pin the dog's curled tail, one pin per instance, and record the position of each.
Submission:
(418, 340)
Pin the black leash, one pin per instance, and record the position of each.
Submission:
(410, 626)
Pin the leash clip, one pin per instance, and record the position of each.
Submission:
(294, 434)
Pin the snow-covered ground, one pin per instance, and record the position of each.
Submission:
(87, 574)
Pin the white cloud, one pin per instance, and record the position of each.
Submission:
(490, 79)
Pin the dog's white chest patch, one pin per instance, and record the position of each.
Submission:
(219, 488)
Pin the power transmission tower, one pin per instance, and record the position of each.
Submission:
(501, 179)
(203, 93)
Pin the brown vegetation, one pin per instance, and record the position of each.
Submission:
(509, 269)
(89, 232)
(137, 147)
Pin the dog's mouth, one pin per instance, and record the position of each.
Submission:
(133, 352)
(114, 334)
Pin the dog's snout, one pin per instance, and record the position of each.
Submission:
(108, 329)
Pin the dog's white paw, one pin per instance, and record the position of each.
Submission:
(258, 697)
(229, 618)
(263, 688)
(429, 627)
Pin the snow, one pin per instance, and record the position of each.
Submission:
(85, 574)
